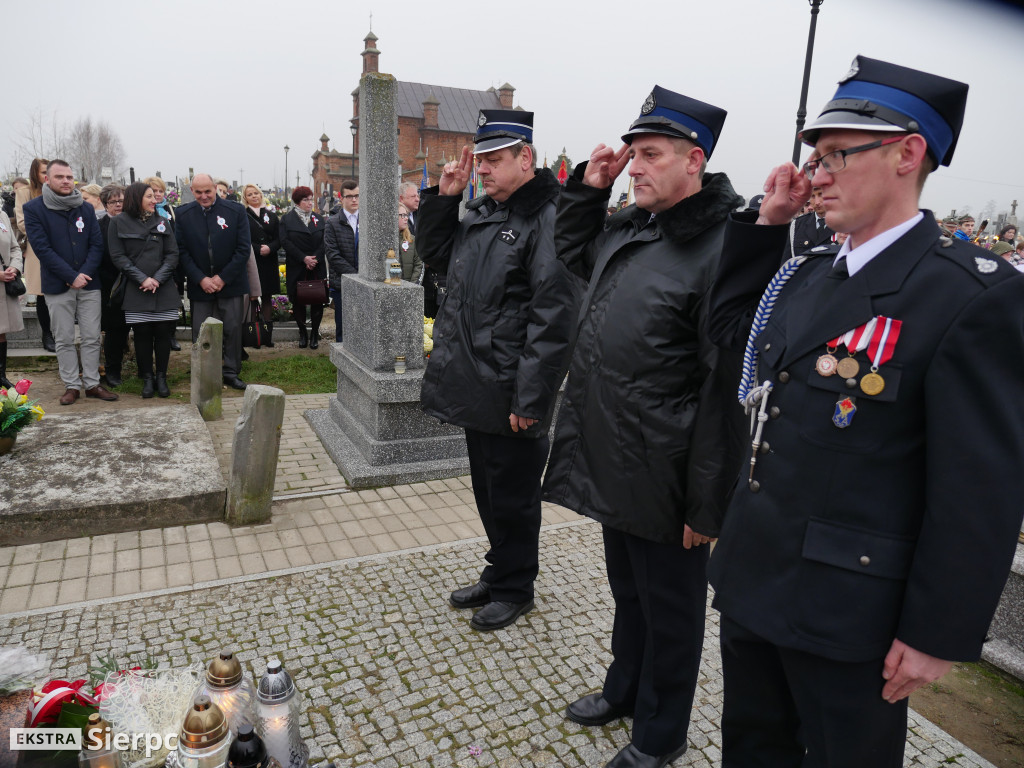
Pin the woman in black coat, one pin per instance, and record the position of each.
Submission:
(264, 232)
(302, 237)
(143, 247)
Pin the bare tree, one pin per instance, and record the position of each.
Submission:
(41, 135)
(93, 145)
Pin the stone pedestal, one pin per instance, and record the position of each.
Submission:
(374, 429)
(254, 456)
(207, 369)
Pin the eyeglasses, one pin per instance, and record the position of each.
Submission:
(834, 162)
(403, 215)
(115, 202)
(356, 196)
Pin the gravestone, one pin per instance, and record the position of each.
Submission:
(254, 455)
(207, 367)
(374, 428)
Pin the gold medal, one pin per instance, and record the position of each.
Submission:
(872, 384)
(848, 367)
(826, 365)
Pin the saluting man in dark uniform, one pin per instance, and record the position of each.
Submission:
(501, 343)
(648, 438)
(874, 524)
(811, 229)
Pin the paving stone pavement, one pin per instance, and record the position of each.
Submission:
(391, 676)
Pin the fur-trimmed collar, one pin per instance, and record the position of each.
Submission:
(528, 199)
(691, 215)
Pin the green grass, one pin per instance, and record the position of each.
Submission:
(295, 375)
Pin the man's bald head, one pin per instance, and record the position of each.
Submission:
(204, 190)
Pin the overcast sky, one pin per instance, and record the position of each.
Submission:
(223, 86)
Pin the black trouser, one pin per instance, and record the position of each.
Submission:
(150, 339)
(230, 311)
(115, 333)
(43, 315)
(791, 709)
(506, 483)
(660, 593)
(316, 315)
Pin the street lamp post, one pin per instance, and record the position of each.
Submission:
(352, 128)
(285, 171)
(801, 112)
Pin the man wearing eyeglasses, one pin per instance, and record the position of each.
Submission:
(869, 537)
(341, 247)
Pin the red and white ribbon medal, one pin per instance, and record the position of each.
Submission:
(880, 349)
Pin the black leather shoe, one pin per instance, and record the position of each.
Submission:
(498, 614)
(593, 709)
(175, 345)
(471, 597)
(161, 385)
(48, 343)
(234, 382)
(113, 378)
(147, 386)
(631, 757)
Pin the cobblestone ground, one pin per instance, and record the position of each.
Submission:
(392, 677)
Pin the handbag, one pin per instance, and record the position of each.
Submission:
(118, 290)
(15, 287)
(311, 292)
(254, 329)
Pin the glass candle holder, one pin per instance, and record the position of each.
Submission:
(400, 364)
(228, 688)
(279, 707)
(249, 751)
(97, 732)
(204, 739)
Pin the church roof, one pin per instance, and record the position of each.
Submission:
(457, 109)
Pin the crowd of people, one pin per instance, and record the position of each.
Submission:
(118, 261)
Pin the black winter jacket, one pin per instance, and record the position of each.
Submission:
(144, 249)
(501, 337)
(340, 249)
(299, 241)
(649, 434)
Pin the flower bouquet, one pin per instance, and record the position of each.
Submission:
(16, 412)
(282, 308)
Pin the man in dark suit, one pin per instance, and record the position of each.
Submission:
(214, 246)
(866, 547)
(810, 230)
(341, 247)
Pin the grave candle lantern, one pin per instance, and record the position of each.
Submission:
(203, 741)
(279, 707)
(228, 688)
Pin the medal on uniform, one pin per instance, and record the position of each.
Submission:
(854, 340)
(846, 407)
(848, 367)
(826, 364)
(880, 349)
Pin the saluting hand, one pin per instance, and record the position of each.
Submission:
(605, 166)
(455, 175)
(785, 192)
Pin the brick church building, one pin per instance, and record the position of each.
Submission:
(434, 122)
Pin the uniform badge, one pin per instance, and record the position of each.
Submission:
(80, 225)
(482, 121)
(985, 266)
(845, 409)
(508, 236)
(854, 69)
(649, 105)
(161, 227)
(221, 223)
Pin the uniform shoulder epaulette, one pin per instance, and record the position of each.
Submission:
(825, 249)
(985, 267)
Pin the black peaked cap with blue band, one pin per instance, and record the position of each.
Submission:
(500, 128)
(672, 114)
(879, 96)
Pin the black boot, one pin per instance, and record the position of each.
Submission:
(303, 337)
(175, 345)
(314, 337)
(43, 315)
(113, 377)
(4, 381)
(147, 385)
(270, 335)
(161, 385)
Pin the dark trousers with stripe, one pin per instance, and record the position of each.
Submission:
(791, 709)
(660, 593)
(506, 483)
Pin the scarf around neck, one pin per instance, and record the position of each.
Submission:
(56, 202)
(304, 215)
